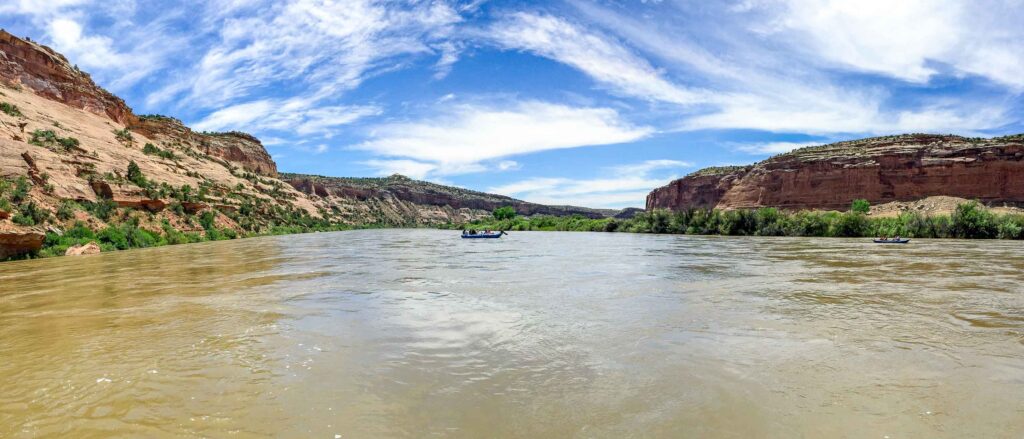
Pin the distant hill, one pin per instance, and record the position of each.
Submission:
(399, 200)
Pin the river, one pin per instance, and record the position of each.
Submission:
(417, 333)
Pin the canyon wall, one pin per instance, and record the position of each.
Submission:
(72, 154)
(880, 170)
(400, 200)
(47, 73)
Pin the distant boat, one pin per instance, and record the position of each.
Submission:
(482, 235)
(892, 241)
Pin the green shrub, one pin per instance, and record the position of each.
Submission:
(102, 209)
(860, 206)
(971, 220)
(849, 225)
(135, 175)
(80, 231)
(504, 213)
(151, 149)
(10, 109)
(115, 237)
(124, 135)
(68, 143)
(21, 188)
(207, 220)
(1010, 227)
(23, 220)
(43, 138)
(67, 210)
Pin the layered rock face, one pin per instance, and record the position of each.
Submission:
(880, 170)
(63, 138)
(48, 73)
(241, 149)
(406, 201)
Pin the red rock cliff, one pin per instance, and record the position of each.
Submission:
(882, 169)
(47, 73)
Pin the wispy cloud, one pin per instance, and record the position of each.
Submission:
(598, 56)
(769, 73)
(324, 47)
(624, 186)
(300, 116)
(912, 39)
(468, 134)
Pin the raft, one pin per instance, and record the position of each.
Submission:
(892, 241)
(483, 235)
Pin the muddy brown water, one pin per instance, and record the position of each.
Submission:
(417, 333)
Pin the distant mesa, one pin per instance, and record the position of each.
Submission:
(881, 170)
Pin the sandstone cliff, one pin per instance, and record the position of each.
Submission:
(47, 73)
(881, 170)
(73, 156)
(241, 149)
(399, 200)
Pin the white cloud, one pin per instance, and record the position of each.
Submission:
(643, 168)
(780, 76)
(905, 39)
(65, 26)
(470, 134)
(326, 47)
(508, 165)
(297, 115)
(600, 57)
(449, 56)
(625, 185)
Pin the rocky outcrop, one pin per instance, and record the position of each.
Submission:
(241, 149)
(92, 248)
(15, 242)
(47, 73)
(409, 201)
(880, 170)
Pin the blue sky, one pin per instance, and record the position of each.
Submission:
(567, 102)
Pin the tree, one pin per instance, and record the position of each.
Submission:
(504, 213)
(972, 220)
(135, 174)
(860, 205)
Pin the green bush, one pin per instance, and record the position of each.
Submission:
(151, 149)
(860, 206)
(124, 135)
(135, 175)
(207, 220)
(68, 143)
(10, 109)
(504, 213)
(102, 209)
(115, 237)
(971, 220)
(67, 210)
(1010, 227)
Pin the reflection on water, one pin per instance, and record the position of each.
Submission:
(416, 333)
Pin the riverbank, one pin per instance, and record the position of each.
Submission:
(969, 220)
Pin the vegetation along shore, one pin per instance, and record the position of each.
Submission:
(970, 220)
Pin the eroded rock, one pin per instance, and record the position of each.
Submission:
(880, 170)
(91, 248)
(16, 242)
